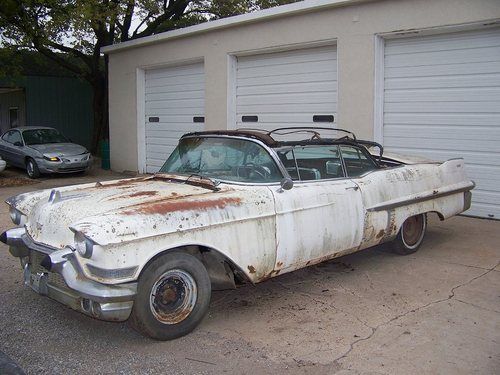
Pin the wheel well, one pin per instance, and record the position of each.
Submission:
(224, 274)
(439, 214)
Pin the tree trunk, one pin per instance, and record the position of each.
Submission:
(100, 104)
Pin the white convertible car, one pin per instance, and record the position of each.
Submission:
(227, 207)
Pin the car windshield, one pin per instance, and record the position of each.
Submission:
(42, 136)
(226, 159)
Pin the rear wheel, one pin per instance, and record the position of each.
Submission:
(172, 296)
(32, 168)
(411, 235)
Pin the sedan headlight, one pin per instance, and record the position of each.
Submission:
(17, 216)
(51, 158)
(83, 245)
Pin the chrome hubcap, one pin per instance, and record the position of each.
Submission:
(173, 296)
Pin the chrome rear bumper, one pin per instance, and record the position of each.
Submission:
(57, 274)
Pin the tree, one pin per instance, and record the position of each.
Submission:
(72, 32)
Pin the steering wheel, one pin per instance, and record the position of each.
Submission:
(259, 170)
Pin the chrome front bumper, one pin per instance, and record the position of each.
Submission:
(57, 274)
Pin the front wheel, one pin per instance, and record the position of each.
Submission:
(172, 296)
(411, 235)
(32, 168)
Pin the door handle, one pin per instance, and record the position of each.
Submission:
(355, 188)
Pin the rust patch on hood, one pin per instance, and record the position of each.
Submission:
(135, 195)
(125, 182)
(143, 194)
(163, 207)
(251, 269)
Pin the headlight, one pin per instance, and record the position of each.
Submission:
(16, 216)
(83, 245)
(51, 158)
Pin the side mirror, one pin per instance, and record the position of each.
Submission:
(287, 183)
(18, 144)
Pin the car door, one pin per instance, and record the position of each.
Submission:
(13, 148)
(7, 149)
(322, 215)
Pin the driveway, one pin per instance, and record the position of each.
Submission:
(436, 311)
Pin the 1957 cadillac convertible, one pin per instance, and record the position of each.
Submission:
(227, 207)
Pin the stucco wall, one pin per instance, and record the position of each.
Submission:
(352, 27)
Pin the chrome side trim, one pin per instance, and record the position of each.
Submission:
(421, 199)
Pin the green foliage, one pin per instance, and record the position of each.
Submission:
(72, 32)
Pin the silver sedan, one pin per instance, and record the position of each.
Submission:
(42, 150)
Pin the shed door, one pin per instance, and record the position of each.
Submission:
(442, 101)
(175, 105)
(287, 88)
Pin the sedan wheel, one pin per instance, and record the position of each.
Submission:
(411, 235)
(32, 169)
(172, 296)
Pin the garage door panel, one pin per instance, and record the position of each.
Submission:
(457, 145)
(472, 158)
(286, 88)
(188, 94)
(442, 70)
(442, 107)
(174, 111)
(162, 82)
(175, 119)
(437, 82)
(486, 197)
(444, 133)
(173, 126)
(271, 71)
(174, 95)
(480, 94)
(173, 133)
(288, 108)
(425, 119)
(282, 119)
(436, 58)
(309, 77)
(287, 55)
(174, 71)
(175, 103)
(303, 98)
(436, 42)
(171, 88)
(283, 58)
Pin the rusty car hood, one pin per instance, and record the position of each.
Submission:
(114, 208)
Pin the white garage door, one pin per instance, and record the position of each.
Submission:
(175, 105)
(442, 101)
(287, 89)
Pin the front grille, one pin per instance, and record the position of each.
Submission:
(35, 267)
(72, 168)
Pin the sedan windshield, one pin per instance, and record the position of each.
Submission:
(223, 158)
(42, 136)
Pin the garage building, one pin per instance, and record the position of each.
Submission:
(421, 77)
